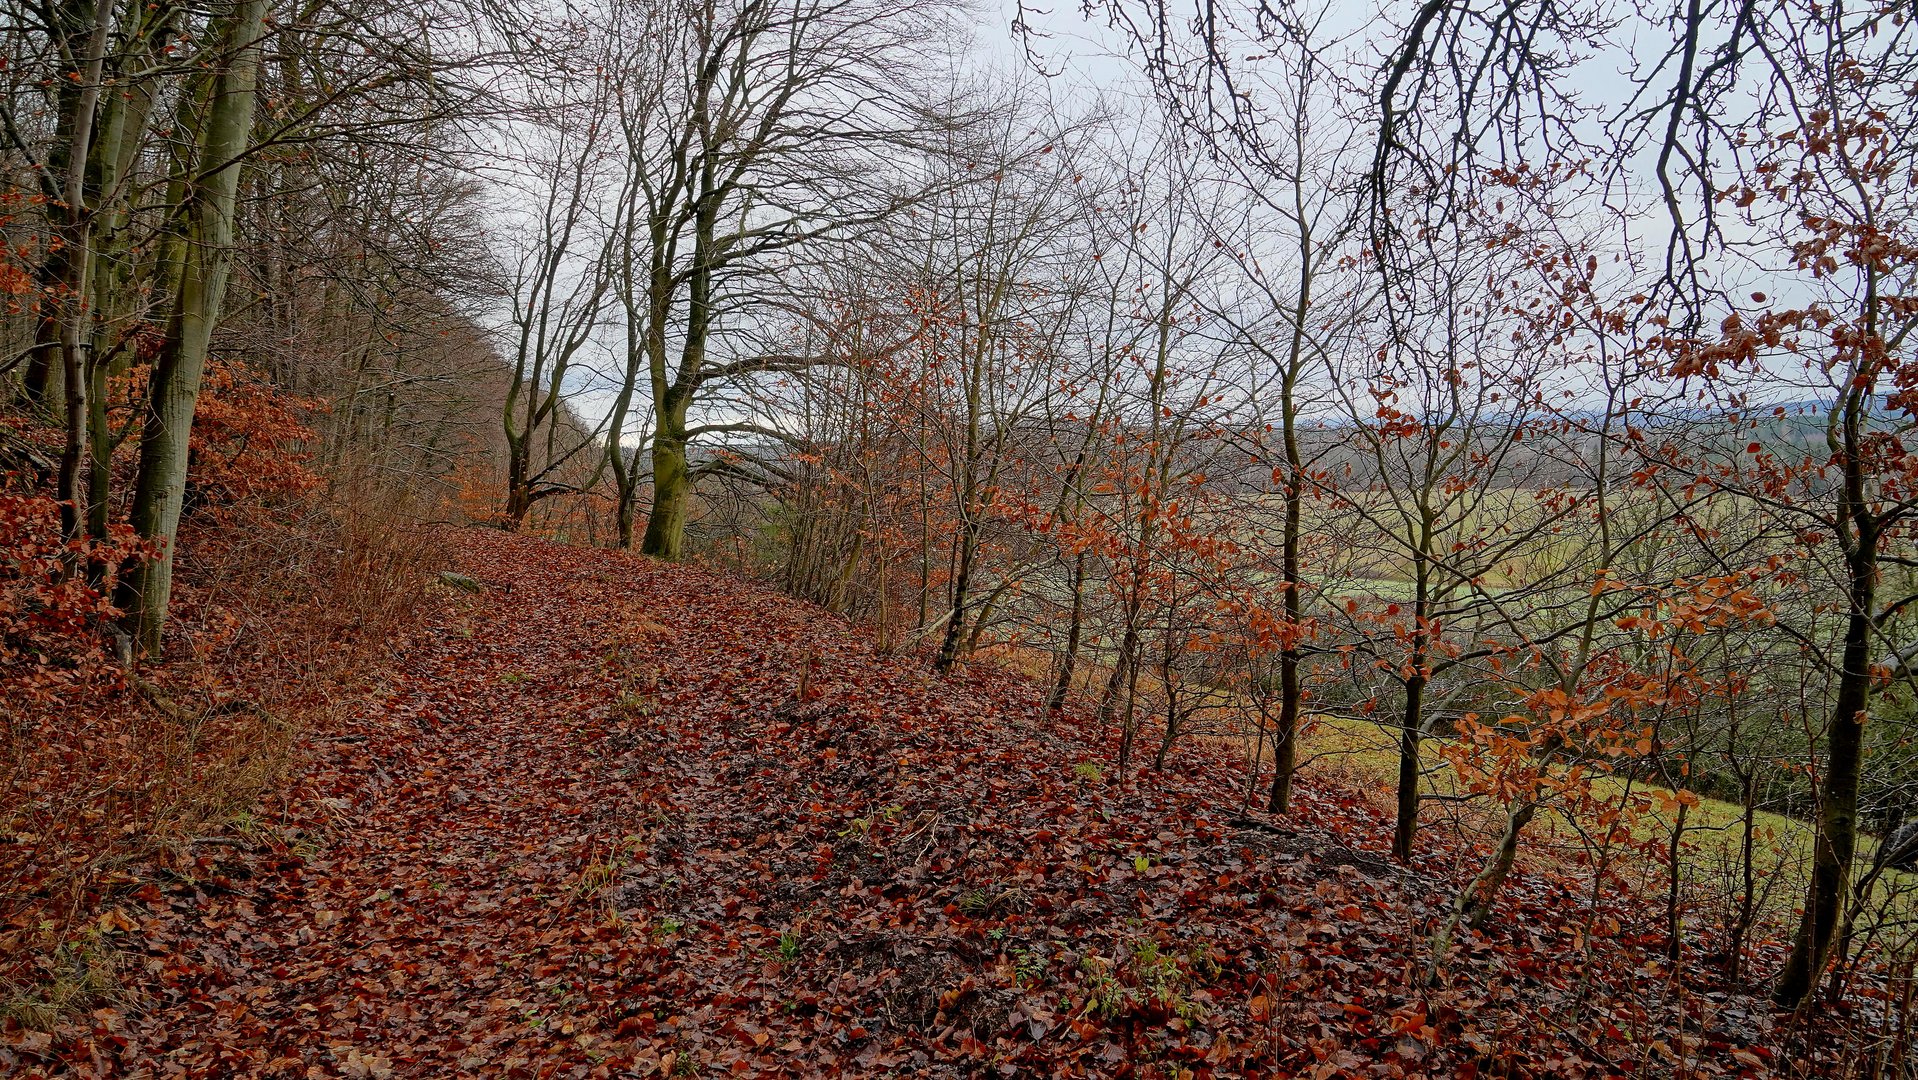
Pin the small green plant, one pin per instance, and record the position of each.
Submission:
(997, 933)
(1141, 863)
(1199, 961)
(789, 946)
(670, 925)
(512, 678)
(1105, 995)
(1089, 771)
(1029, 965)
(1147, 975)
(1158, 977)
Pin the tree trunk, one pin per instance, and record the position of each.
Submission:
(1411, 725)
(1171, 708)
(1285, 740)
(1747, 901)
(672, 478)
(123, 123)
(1122, 666)
(1837, 806)
(174, 387)
(1075, 629)
(1412, 720)
(1674, 913)
(1285, 743)
(627, 509)
(1473, 904)
(519, 496)
(1837, 838)
(625, 467)
(46, 381)
(75, 230)
(672, 482)
(961, 583)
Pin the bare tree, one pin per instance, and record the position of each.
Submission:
(772, 133)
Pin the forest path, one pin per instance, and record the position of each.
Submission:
(589, 828)
(511, 863)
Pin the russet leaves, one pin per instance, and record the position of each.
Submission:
(709, 830)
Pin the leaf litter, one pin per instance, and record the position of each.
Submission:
(611, 818)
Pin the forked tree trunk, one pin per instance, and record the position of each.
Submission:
(174, 386)
(961, 589)
(519, 495)
(1472, 905)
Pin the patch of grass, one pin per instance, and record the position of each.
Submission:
(1089, 771)
(1366, 754)
(602, 872)
(82, 974)
(595, 877)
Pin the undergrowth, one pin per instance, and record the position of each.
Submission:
(109, 774)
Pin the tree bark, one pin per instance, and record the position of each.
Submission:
(174, 387)
(1473, 904)
(1411, 724)
(75, 230)
(672, 482)
(961, 585)
(1837, 838)
(1285, 741)
(1075, 629)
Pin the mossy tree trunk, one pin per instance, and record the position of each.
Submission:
(174, 386)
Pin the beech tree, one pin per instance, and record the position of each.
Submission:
(201, 259)
(560, 281)
(140, 127)
(1822, 187)
(775, 129)
(1300, 303)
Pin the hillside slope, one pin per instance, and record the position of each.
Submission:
(595, 828)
